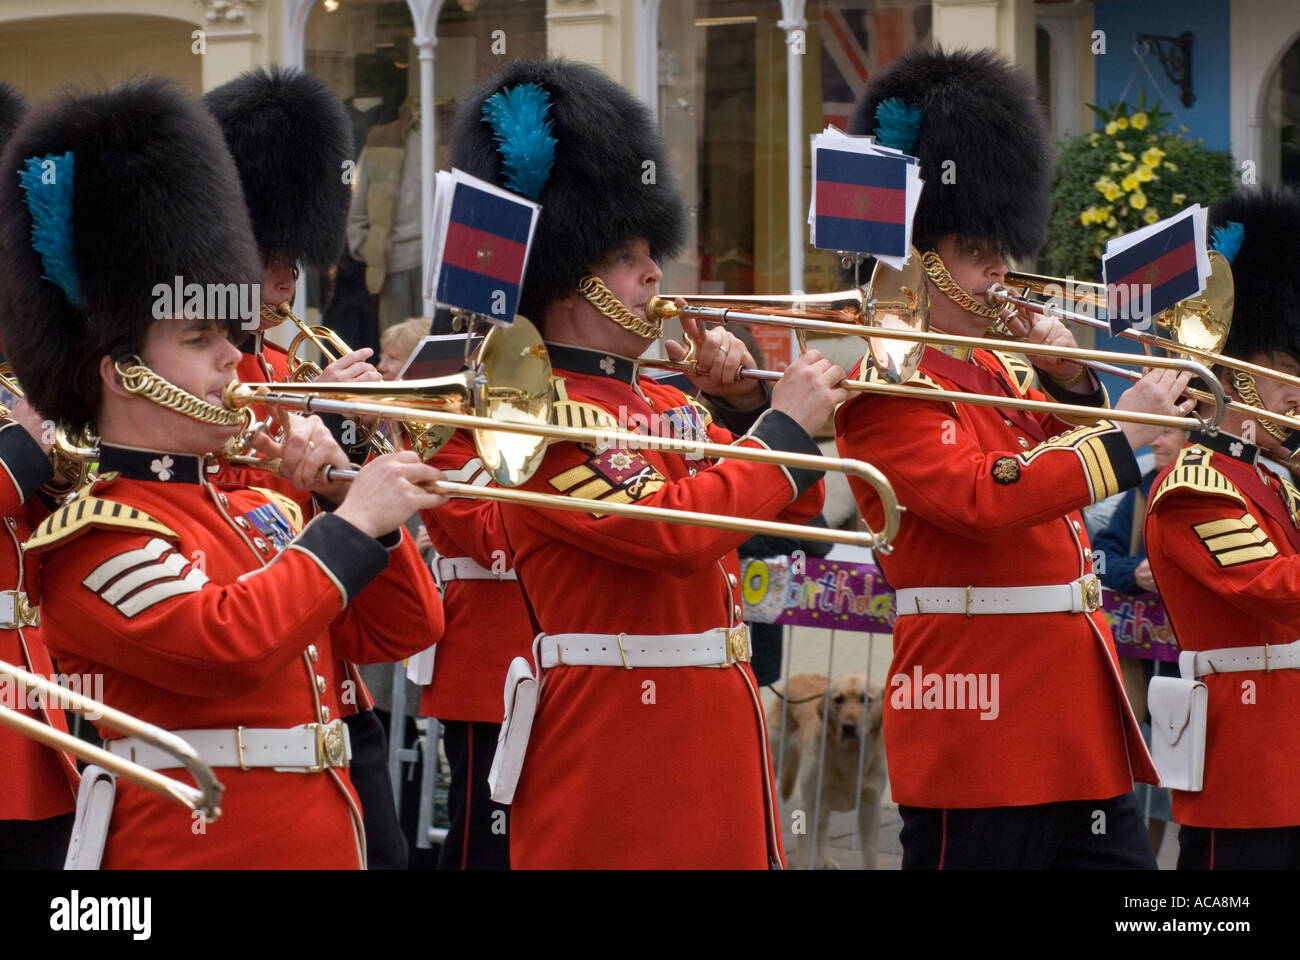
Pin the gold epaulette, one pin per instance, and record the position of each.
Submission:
(1017, 368)
(287, 505)
(86, 513)
(575, 413)
(917, 379)
(1192, 471)
(705, 416)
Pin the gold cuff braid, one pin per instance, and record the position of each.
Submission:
(938, 273)
(603, 299)
(143, 382)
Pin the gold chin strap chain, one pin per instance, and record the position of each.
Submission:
(143, 382)
(1244, 383)
(938, 273)
(603, 299)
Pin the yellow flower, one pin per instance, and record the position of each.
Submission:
(1144, 174)
(1139, 121)
(1112, 223)
(1129, 183)
(1094, 137)
(1171, 166)
(1086, 217)
(1113, 191)
(1111, 128)
(1121, 122)
(1138, 200)
(1151, 216)
(1115, 167)
(1119, 144)
(1178, 199)
(1152, 156)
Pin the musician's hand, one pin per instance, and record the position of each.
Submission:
(809, 391)
(1157, 392)
(1034, 327)
(1142, 574)
(349, 367)
(306, 448)
(388, 490)
(721, 357)
(42, 430)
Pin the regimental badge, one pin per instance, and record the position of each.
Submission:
(620, 476)
(272, 524)
(1006, 470)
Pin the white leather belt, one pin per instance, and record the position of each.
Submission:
(719, 647)
(308, 748)
(16, 611)
(1194, 664)
(1078, 596)
(464, 568)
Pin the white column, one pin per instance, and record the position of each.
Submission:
(425, 14)
(796, 44)
(646, 39)
(296, 13)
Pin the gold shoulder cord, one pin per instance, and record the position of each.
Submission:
(143, 382)
(938, 273)
(603, 299)
(1244, 383)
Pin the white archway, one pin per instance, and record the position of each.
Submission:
(1262, 31)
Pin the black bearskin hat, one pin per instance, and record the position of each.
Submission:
(290, 137)
(12, 106)
(982, 114)
(610, 180)
(148, 194)
(1264, 252)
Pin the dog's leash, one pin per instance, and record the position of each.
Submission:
(816, 696)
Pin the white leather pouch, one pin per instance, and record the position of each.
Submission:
(521, 703)
(90, 825)
(1178, 716)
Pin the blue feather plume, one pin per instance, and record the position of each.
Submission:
(1227, 239)
(523, 134)
(897, 124)
(50, 204)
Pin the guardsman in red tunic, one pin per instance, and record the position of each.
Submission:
(291, 140)
(648, 747)
(487, 626)
(1009, 738)
(214, 611)
(36, 804)
(1223, 538)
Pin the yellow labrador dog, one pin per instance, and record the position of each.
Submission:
(851, 712)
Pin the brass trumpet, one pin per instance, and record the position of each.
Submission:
(206, 797)
(891, 314)
(511, 426)
(71, 472)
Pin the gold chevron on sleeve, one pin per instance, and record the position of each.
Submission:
(1018, 369)
(86, 513)
(1235, 540)
(1192, 473)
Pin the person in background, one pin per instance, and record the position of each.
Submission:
(1122, 566)
(398, 343)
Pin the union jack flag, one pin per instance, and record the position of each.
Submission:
(859, 38)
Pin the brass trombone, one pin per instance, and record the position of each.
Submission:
(70, 471)
(331, 347)
(891, 314)
(206, 797)
(511, 426)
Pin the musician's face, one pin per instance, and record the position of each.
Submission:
(1278, 396)
(279, 281)
(975, 264)
(195, 355)
(633, 276)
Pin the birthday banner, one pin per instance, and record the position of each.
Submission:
(847, 595)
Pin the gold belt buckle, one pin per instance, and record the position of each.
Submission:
(737, 645)
(27, 613)
(330, 748)
(1091, 592)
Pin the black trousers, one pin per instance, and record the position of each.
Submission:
(479, 835)
(35, 844)
(1074, 835)
(386, 847)
(1217, 848)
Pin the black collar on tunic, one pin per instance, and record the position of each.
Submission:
(136, 463)
(593, 363)
(1228, 445)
